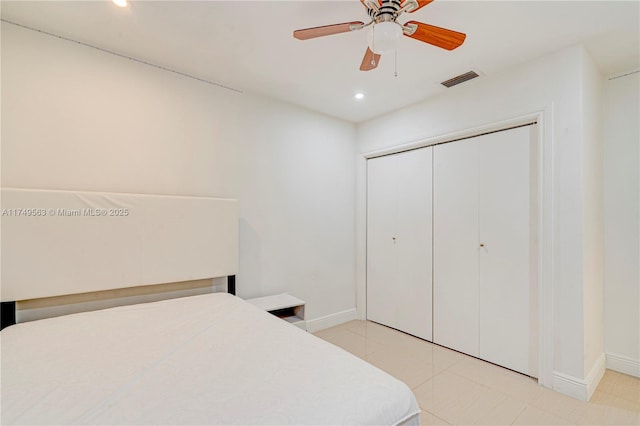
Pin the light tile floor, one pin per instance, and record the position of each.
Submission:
(453, 388)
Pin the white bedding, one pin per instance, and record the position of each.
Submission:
(211, 359)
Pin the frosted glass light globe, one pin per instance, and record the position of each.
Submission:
(384, 36)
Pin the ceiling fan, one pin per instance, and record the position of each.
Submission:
(386, 30)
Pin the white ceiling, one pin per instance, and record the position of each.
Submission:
(248, 45)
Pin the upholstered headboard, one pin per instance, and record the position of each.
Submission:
(63, 242)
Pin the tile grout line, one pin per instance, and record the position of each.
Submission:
(429, 379)
(437, 417)
(519, 414)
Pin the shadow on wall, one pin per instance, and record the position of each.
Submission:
(249, 277)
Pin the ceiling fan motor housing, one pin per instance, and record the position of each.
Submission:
(387, 12)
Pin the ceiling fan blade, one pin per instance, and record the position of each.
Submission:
(379, 2)
(326, 30)
(419, 4)
(370, 60)
(441, 37)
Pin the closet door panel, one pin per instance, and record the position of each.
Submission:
(455, 246)
(382, 205)
(413, 246)
(504, 274)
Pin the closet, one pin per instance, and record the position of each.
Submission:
(472, 245)
(399, 241)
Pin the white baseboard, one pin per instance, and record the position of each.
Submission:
(332, 320)
(623, 364)
(569, 385)
(581, 389)
(595, 375)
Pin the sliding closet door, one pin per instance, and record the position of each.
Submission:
(414, 238)
(382, 258)
(455, 246)
(507, 260)
(485, 278)
(399, 241)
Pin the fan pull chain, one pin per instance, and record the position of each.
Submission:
(395, 62)
(373, 48)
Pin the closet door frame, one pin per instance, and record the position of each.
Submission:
(543, 166)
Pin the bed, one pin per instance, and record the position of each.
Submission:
(206, 359)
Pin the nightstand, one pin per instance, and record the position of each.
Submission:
(285, 306)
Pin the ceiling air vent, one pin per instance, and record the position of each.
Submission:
(460, 79)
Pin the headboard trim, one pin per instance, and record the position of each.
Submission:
(8, 315)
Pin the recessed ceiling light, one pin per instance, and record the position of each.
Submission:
(120, 3)
(359, 96)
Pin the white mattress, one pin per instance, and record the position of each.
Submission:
(211, 359)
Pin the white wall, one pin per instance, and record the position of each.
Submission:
(621, 135)
(554, 85)
(76, 118)
(593, 225)
(296, 186)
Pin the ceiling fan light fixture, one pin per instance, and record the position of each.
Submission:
(384, 36)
